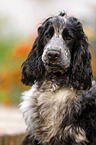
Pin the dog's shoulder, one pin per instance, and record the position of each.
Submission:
(91, 93)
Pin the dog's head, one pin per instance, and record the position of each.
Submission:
(60, 48)
(56, 53)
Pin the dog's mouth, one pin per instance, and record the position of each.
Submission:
(55, 68)
(52, 63)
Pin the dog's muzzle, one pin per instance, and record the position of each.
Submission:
(56, 55)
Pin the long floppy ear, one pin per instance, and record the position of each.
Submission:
(32, 68)
(81, 67)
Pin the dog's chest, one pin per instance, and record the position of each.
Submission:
(50, 105)
(47, 107)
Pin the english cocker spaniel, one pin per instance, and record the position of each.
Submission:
(60, 107)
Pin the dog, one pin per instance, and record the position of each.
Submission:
(60, 107)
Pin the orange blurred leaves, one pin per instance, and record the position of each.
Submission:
(93, 61)
(10, 75)
(89, 31)
(23, 48)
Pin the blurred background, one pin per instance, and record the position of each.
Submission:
(19, 20)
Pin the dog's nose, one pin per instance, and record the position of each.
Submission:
(53, 55)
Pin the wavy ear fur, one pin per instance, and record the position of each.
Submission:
(81, 67)
(32, 68)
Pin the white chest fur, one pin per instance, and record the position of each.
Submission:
(44, 109)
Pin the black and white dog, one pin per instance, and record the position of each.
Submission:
(60, 107)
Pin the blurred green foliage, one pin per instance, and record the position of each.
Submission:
(12, 55)
(6, 47)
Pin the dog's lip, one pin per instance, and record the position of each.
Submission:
(53, 64)
(55, 67)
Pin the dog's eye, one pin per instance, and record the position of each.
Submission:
(49, 33)
(66, 35)
(68, 38)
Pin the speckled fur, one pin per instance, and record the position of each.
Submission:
(44, 109)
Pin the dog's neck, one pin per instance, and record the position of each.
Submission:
(61, 80)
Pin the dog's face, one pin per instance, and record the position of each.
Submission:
(61, 49)
(59, 41)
